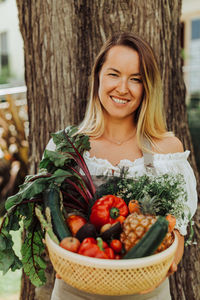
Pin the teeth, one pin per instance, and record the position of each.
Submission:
(119, 100)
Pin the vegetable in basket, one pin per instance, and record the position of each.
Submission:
(150, 241)
(96, 248)
(71, 244)
(52, 202)
(140, 221)
(108, 209)
(75, 222)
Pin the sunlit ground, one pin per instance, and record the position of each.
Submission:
(10, 282)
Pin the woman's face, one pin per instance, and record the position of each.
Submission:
(120, 84)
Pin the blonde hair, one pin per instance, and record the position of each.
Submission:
(149, 116)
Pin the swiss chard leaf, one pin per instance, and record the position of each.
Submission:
(27, 191)
(80, 141)
(33, 263)
(12, 222)
(8, 258)
(27, 212)
(2, 243)
(59, 159)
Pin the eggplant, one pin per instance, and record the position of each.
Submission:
(112, 233)
(87, 230)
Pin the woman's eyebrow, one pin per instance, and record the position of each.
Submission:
(115, 70)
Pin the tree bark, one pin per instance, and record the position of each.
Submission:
(61, 39)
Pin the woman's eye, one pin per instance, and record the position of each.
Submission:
(136, 80)
(112, 74)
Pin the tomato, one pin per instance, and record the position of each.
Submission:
(96, 248)
(116, 245)
(70, 243)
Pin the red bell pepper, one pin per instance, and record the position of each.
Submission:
(96, 248)
(108, 209)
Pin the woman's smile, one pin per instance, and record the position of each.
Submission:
(119, 100)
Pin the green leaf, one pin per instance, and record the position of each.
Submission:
(27, 211)
(60, 175)
(2, 243)
(32, 260)
(80, 141)
(12, 221)
(27, 191)
(57, 158)
(7, 258)
(16, 265)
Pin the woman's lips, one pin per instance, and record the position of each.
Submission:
(119, 100)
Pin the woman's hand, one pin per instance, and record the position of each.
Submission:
(174, 266)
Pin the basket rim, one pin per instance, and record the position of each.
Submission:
(113, 263)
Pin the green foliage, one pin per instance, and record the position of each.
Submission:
(54, 169)
(8, 258)
(10, 282)
(61, 157)
(33, 263)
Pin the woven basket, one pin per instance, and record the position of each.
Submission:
(110, 277)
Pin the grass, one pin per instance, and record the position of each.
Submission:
(10, 282)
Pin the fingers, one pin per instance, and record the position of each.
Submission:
(172, 269)
(58, 276)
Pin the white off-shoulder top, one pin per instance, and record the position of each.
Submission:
(163, 163)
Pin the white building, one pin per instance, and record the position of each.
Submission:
(191, 43)
(11, 43)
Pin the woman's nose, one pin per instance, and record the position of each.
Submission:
(122, 86)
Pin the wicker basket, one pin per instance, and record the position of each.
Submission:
(110, 277)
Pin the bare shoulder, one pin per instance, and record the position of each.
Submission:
(168, 145)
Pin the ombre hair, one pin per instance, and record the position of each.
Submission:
(149, 116)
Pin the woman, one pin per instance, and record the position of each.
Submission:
(126, 126)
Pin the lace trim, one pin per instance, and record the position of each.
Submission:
(126, 162)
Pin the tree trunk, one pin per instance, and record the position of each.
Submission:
(61, 39)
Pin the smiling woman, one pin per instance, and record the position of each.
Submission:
(126, 127)
(126, 79)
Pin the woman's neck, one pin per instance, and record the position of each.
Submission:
(119, 130)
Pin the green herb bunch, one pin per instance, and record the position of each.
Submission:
(160, 195)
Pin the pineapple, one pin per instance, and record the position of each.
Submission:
(139, 222)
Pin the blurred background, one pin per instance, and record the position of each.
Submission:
(14, 116)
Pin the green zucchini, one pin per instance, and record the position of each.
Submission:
(150, 241)
(52, 201)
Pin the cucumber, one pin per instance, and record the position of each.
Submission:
(52, 200)
(150, 241)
